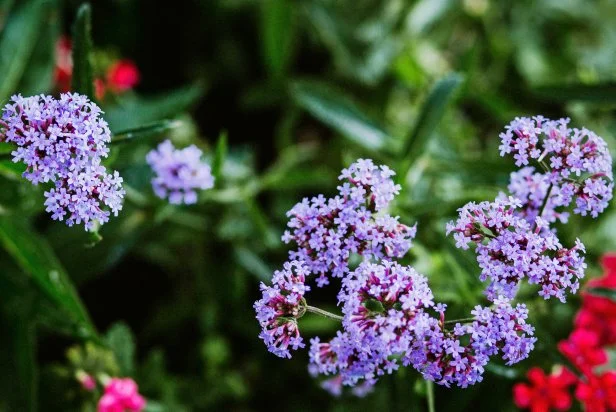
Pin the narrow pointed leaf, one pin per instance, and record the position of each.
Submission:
(34, 256)
(431, 114)
(17, 44)
(220, 154)
(277, 34)
(598, 93)
(83, 79)
(604, 293)
(338, 112)
(145, 131)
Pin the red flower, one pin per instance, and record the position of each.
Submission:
(583, 350)
(123, 75)
(99, 88)
(597, 313)
(64, 64)
(598, 394)
(545, 392)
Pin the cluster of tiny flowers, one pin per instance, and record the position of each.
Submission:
(328, 231)
(121, 395)
(440, 355)
(386, 323)
(380, 302)
(179, 173)
(509, 250)
(280, 307)
(63, 141)
(577, 161)
(388, 310)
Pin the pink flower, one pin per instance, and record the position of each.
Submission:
(123, 75)
(583, 350)
(121, 395)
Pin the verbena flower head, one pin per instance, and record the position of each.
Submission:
(121, 395)
(510, 250)
(380, 302)
(598, 393)
(578, 161)
(63, 141)
(328, 231)
(441, 355)
(282, 304)
(583, 350)
(531, 188)
(179, 173)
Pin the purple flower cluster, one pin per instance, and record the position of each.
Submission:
(387, 323)
(282, 304)
(328, 231)
(63, 141)
(179, 173)
(577, 161)
(440, 355)
(389, 317)
(509, 250)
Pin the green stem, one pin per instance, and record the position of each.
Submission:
(463, 320)
(544, 204)
(323, 313)
(430, 396)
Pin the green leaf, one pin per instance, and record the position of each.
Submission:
(278, 35)
(39, 75)
(598, 93)
(132, 112)
(34, 256)
(18, 43)
(18, 360)
(120, 340)
(145, 131)
(83, 78)
(220, 154)
(18, 382)
(431, 114)
(252, 263)
(603, 292)
(337, 111)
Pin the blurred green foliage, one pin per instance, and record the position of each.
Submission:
(280, 94)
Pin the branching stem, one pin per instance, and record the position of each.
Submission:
(323, 313)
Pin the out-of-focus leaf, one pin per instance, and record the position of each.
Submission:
(18, 383)
(503, 371)
(337, 111)
(252, 263)
(431, 114)
(83, 78)
(120, 340)
(220, 154)
(604, 293)
(11, 170)
(145, 131)
(38, 77)
(132, 112)
(430, 396)
(35, 257)
(277, 35)
(598, 93)
(18, 43)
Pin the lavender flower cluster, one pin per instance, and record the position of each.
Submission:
(390, 319)
(63, 141)
(179, 173)
(328, 231)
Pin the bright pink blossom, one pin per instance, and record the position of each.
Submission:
(121, 395)
(123, 75)
(583, 350)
